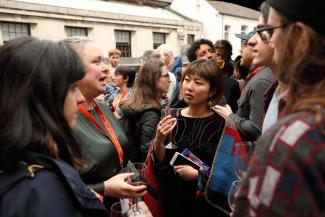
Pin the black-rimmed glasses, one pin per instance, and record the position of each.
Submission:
(266, 32)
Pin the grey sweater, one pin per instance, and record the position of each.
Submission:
(250, 113)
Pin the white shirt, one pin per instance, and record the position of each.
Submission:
(272, 112)
(172, 85)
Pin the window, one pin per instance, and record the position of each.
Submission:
(123, 42)
(190, 38)
(75, 31)
(14, 30)
(243, 30)
(226, 32)
(158, 39)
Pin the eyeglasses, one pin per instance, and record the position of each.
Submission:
(266, 32)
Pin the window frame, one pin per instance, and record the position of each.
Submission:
(226, 32)
(75, 29)
(123, 42)
(156, 43)
(190, 36)
(12, 30)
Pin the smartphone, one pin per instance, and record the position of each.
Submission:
(179, 159)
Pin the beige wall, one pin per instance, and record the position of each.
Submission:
(48, 23)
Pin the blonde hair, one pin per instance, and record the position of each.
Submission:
(114, 52)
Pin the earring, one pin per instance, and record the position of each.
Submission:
(210, 102)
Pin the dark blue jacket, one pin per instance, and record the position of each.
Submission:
(177, 66)
(55, 190)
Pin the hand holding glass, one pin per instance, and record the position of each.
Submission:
(139, 178)
(165, 112)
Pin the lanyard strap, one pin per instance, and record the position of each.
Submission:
(254, 72)
(111, 134)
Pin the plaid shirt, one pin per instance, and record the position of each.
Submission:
(286, 175)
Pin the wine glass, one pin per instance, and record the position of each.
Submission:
(139, 178)
(234, 189)
(120, 209)
(244, 150)
(170, 147)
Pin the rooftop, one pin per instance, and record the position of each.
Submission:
(158, 3)
(235, 10)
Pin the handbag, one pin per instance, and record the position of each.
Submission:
(151, 199)
(222, 172)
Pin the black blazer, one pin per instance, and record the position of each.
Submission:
(232, 93)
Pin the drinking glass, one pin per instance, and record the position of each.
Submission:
(235, 186)
(244, 151)
(170, 147)
(140, 178)
(120, 209)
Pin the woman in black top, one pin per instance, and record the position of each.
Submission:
(199, 129)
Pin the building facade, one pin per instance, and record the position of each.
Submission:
(221, 20)
(131, 26)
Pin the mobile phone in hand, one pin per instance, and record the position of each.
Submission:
(179, 159)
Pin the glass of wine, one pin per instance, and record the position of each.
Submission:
(170, 147)
(120, 209)
(234, 189)
(140, 178)
(244, 151)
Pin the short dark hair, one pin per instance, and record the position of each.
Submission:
(35, 76)
(191, 56)
(225, 45)
(209, 71)
(126, 72)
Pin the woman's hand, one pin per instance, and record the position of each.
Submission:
(187, 173)
(118, 187)
(164, 127)
(225, 110)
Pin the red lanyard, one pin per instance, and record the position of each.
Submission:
(111, 134)
(254, 72)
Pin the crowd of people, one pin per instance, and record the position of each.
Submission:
(71, 123)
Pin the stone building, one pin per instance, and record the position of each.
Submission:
(133, 26)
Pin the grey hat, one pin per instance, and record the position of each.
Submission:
(245, 37)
